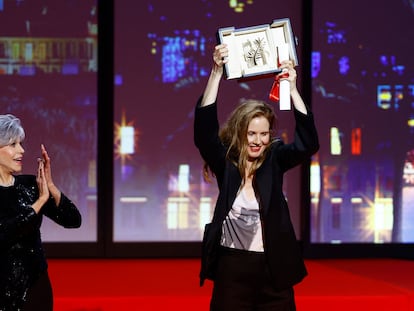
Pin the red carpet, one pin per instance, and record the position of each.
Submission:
(172, 284)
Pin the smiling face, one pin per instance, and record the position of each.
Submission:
(248, 135)
(258, 137)
(11, 157)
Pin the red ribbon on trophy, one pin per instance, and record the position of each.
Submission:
(280, 91)
(274, 94)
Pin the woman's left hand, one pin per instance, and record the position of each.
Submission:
(54, 191)
(47, 168)
(288, 73)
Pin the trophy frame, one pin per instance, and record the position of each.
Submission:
(256, 52)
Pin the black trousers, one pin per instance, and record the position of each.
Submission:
(243, 283)
(40, 295)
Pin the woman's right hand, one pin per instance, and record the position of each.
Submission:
(220, 56)
(42, 186)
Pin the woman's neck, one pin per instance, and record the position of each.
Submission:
(248, 168)
(7, 181)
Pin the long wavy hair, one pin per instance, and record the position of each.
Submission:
(233, 135)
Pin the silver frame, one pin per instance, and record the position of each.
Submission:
(253, 51)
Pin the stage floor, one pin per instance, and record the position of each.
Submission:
(172, 284)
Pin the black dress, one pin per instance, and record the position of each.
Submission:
(22, 259)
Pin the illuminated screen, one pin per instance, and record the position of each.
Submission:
(362, 179)
(48, 77)
(163, 56)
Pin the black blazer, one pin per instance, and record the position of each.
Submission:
(281, 248)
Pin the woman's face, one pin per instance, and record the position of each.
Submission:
(258, 137)
(11, 157)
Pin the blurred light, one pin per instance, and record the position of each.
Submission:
(133, 199)
(383, 215)
(232, 3)
(410, 121)
(205, 211)
(343, 65)
(408, 175)
(118, 80)
(172, 214)
(177, 212)
(384, 96)
(399, 69)
(356, 200)
(316, 64)
(239, 6)
(384, 60)
(184, 178)
(356, 141)
(336, 200)
(398, 95)
(127, 140)
(315, 177)
(336, 148)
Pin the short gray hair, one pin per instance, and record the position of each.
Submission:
(10, 129)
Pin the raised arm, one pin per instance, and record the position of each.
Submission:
(219, 59)
(289, 73)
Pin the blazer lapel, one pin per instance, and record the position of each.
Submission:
(233, 184)
(263, 185)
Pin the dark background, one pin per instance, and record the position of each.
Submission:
(130, 85)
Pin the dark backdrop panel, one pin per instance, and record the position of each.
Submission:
(162, 61)
(48, 74)
(154, 62)
(362, 180)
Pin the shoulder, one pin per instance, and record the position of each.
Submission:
(275, 149)
(276, 143)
